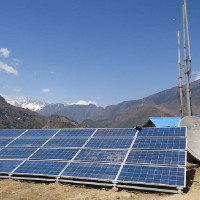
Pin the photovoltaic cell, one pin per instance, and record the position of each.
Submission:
(51, 168)
(7, 166)
(126, 132)
(93, 155)
(66, 142)
(110, 143)
(157, 157)
(4, 142)
(19, 153)
(163, 132)
(56, 154)
(40, 133)
(172, 176)
(75, 133)
(160, 143)
(11, 133)
(91, 171)
(27, 142)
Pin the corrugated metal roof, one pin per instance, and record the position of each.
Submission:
(166, 121)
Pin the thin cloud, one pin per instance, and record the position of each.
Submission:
(17, 61)
(46, 90)
(8, 69)
(196, 75)
(4, 52)
(18, 90)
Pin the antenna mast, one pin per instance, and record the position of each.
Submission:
(180, 77)
(186, 59)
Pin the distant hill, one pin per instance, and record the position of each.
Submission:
(75, 112)
(12, 117)
(130, 113)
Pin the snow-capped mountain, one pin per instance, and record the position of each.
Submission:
(23, 102)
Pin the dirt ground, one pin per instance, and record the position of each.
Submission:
(11, 189)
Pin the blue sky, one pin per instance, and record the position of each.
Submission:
(106, 51)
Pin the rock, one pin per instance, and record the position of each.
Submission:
(115, 189)
(13, 192)
(117, 197)
(128, 195)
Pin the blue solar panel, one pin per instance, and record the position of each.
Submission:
(58, 154)
(40, 133)
(101, 155)
(11, 133)
(18, 153)
(110, 143)
(91, 171)
(7, 166)
(163, 132)
(75, 133)
(27, 142)
(66, 142)
(157, 157)
(51, 168)
(126, 132)
(4, 142)
(160, 143)
(171, 176)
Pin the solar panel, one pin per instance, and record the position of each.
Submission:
(4, 141)
(66, 142)
(91, 171)
(19, 153)
(40, 133)
(157, 157)
(116, 156)
(11, 133)
(126, 132)
(121, 156)
(7, 166)
(110, 143)
(162, 132)
(27, 142)
(172, 176)
(160, 143)
(56, 154)
(75, 133)
(50, 168)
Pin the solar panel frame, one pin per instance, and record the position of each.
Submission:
(110, 143)
(16, 153)
(161, 132)
(160, 143)
(115, 132)
(6, 166)
(65, 142)
(11, 133)
(82, 169)
(74, 133)
(28, 142)
(54, 154)
(157, 157)
(5, 141)
(96, 155)
(152, 175)
(40, 168)
(39, 133)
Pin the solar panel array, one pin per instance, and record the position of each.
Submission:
(152, 156)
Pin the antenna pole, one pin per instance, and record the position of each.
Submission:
(180, 77)
(186, 66)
